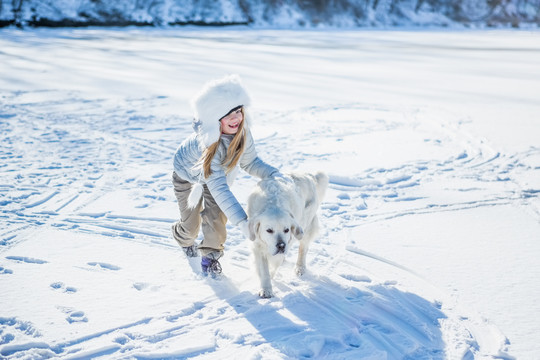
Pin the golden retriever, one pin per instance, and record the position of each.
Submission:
(279, 210)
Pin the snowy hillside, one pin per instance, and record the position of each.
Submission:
(430, 228)
(283, 13)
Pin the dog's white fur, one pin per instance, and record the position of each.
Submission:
(279, 210)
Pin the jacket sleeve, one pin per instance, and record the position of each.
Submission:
(252, 164)
(220, 190)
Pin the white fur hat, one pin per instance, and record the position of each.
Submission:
(214, 101)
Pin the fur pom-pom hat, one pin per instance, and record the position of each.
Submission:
(213, 102)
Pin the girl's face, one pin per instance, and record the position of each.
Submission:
(231, 122)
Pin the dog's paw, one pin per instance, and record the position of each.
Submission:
(300, 270)
(265, 293)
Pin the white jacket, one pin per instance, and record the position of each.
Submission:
(185, 165)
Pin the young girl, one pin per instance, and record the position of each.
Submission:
(205, 166)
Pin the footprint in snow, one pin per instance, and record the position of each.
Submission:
(145, 286)
(11, 325)
(26, 259)
(356, 278)
(76, 316)
(105, 266)
(73, 315)
(140, 285)
(7, 338)
(61, 286)
(122, 339)
(3, 270)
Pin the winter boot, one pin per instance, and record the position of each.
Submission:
(191, 251)
(210, 264)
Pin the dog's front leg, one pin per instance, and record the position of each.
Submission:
(264, 277)
(301, 261)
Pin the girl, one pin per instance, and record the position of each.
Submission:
(205, 166)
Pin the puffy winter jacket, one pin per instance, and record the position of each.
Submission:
(185, 165)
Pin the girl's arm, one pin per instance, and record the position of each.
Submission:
(227, 202)
(252, 164)
(217, 181)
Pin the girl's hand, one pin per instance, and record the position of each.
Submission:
(244, 227)
(284, 178)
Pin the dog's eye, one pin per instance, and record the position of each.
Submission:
(286, 230)
(270, 231)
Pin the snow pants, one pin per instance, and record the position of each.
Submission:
(207, 212)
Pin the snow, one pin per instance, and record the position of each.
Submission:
(430, 226)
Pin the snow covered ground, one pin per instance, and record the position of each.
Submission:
(430, 228)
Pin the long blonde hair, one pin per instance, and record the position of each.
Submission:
(235, 150)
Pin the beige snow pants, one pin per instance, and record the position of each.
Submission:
(214, 221)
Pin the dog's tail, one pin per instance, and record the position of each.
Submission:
(321, 178)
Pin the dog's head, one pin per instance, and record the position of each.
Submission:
(275, 230)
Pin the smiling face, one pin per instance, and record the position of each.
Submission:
(231, 122)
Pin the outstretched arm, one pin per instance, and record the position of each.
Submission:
(252, 164)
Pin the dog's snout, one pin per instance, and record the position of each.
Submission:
(280, 247)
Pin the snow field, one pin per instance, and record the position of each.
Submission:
(420, 219)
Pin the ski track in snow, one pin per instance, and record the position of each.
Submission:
(60, 167)
(482, 176)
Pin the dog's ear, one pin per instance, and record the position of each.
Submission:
(297, 230)
(253, 226)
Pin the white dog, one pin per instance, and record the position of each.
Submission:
(278, 210)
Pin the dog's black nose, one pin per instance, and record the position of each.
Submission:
(280, 246)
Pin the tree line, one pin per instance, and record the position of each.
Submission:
(266, 12)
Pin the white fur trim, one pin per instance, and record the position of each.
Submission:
(195, 195)
(214, 101)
